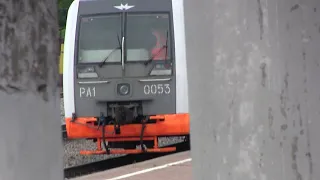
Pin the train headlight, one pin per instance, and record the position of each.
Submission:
(161, 70)
(123, 89)
(87, 72)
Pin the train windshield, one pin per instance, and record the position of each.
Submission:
(147, 37)
(98, 37)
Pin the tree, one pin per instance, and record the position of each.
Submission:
(30, 134)
(64, 3)
(63, 11)
(62, 21)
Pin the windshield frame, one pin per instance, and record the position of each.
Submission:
(170, 36)
(77, 38)
(123, 33)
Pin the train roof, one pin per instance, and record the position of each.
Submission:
(87, 7)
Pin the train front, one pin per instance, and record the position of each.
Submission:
(125, 80)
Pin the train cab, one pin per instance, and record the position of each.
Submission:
(125, 74)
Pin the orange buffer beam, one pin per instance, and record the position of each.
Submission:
(167, 125)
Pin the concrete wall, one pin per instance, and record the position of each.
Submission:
(30, 130)
(256, 115)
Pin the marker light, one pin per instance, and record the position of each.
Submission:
(87, 72)
(161, 70)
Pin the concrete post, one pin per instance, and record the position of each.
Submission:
(254, 84)
(30, 133)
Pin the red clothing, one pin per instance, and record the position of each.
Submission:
(158, 52)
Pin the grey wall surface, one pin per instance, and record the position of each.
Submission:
(256, 115)
(30, 130)
(30, 139)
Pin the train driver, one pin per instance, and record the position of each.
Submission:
(159, 51)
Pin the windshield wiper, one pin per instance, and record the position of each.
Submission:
(163, 47)
(119, 47)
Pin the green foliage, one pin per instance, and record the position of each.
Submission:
(62, 13)
(62, 32)
(64, 3)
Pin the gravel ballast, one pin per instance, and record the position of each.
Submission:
(72, 148)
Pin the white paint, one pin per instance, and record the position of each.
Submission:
(154, 89)
(87, 92)
(124, 7)
(150, 169)
(182, 100)
(82, 91)
(68, 59)
(93, 92)
(153, 80)
(93, 82)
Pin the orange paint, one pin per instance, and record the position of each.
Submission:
(168, 125)
(165, 125)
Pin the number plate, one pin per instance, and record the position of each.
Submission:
(87, 92)
(153, 89)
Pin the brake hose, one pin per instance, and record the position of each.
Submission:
(104, 123)
(141, 134)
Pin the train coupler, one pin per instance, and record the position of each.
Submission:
(138, 150)
(130, 151)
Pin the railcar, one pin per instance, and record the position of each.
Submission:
(125, 74)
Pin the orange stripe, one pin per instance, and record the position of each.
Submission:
(173, 125)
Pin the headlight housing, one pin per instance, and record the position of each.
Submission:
(161, 70)
(87, 72)
(123, 89)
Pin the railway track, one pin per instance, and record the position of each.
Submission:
(103, 165)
